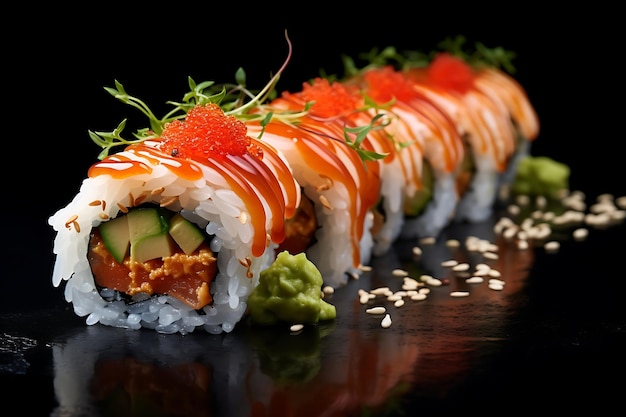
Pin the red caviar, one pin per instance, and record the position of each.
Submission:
(386, 83)
(330, 99)
(205, 133)
(451, 73)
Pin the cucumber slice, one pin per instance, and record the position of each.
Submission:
(116, 237)
(186, 234)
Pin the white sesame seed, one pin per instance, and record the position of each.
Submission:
(552, 246)
(364, 298)
(494, 273)
(621, 202)
(427, 240)
(490, 255)
(522, 244)
(386, 322)
(496, 287)
(376, 310)
(328, 290)
(394, 297)
(380, 291)
(296, 327)
(496, 281)
(459, 293)
(434, 282)
(417, 251)
(453, 243)
(474, 280)
(424, 290)
(398, 303)
(399, 273)
(580, 233)
(449, 263)
(418, 297)
(461, 267)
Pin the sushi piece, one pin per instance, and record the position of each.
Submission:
(339, 189)
(433, 206)
(493, 115)
(400, 168)
(172, 232)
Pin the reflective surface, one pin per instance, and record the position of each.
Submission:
(552, 337)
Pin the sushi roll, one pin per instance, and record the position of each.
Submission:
(391, 138)
(339, 189)
(172, 232)
(431, 208)
(492, 114)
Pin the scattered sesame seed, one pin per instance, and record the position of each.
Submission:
(449, 263)
(398, 303)
(296, 327)
(399, 273)
(427, 240)
(417, 251)
(376, 310)
(453, 243)
(386, 322)
(552, 246)
(459, 293)
(328, 290)
(474, 280)
(580, 233)
(418, 297)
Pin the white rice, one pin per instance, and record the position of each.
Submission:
(207, 202)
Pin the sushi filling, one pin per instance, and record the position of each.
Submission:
(185, 273)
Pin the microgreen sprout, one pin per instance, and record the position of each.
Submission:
(235, 99)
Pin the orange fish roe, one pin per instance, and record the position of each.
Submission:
(386, 83)
(330, 99)
(205, 133)
(450, 73)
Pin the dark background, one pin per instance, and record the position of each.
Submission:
(58, 61)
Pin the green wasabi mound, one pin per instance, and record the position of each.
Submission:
(289, 291)
(541, 175)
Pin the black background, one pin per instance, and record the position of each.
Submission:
(57, 60)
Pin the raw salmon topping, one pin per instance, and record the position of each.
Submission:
(451, 73)
(205, 133)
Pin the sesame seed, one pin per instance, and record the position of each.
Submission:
(474, 280)
(449, 263)
(580, 233)
(552, 246)
(386, 322)
(453, 243)
(296, 327)
(399, 273)
(459, 293)
(418, 297)
(376, 310)
(398, 303)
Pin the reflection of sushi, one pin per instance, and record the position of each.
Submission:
(237, 190)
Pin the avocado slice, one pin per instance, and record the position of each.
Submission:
(116, 237)
(148, 234)
(186, 234)
(152, 247)
(144, 222)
